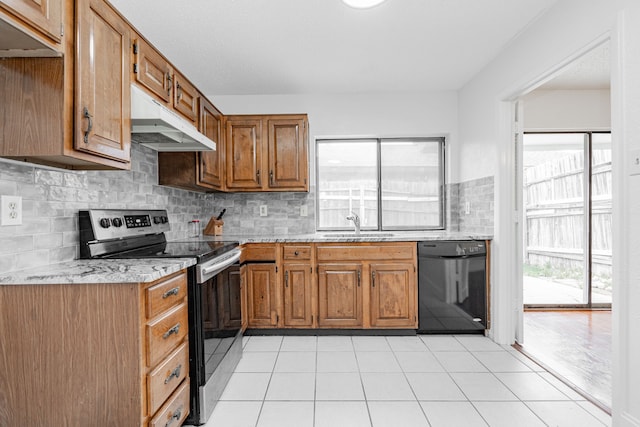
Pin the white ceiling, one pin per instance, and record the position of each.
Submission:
(233, 47)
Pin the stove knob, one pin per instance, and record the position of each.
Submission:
(164, 219)
(117, 222)
(105, 223)
(157, 219)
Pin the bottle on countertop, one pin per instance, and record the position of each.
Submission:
(194, 228)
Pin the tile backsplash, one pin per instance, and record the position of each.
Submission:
(51, 199)
(478, 194)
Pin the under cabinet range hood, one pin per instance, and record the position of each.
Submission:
(157, 127)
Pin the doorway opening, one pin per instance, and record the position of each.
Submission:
(565, 205)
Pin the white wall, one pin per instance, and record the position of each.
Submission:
(486, 148)
(380, 115)
(567, 110)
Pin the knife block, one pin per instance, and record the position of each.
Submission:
(214, 227)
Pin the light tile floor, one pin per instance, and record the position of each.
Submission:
(428, 380)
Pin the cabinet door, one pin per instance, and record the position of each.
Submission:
(103, 94)
(211, 163)
(339, 295)
(393, 295)
(297, 295)
(185, 98)
(287, 147)
(261, 295)
(244, 297)
(152, 71)
(44, 15)
(243, 153)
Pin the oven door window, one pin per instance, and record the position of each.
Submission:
(221, 316)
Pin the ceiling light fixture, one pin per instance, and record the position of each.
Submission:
(362, 4)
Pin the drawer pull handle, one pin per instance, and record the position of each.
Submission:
(170, 292)
(296, 253)
(176, 416)
(171, 331)
(174, 374)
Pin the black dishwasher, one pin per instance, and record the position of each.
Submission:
(452, 291)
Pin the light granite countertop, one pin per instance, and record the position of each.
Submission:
(350, 237)
(147, 270)
(96, 271)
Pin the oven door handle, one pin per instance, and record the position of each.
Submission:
(207, 272)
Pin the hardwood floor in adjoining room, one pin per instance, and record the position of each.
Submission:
(575, 345)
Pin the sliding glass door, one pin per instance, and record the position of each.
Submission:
(567, 219)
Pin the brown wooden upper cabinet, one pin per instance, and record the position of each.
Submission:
(211, 163)
(197, 171)
(103, 91)
(156, 74)
(71, 111)
(267, 153)
(45, 16)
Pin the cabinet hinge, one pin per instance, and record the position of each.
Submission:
(135, 48)
(135, 68)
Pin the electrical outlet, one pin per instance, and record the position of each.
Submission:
(634, 168)
(304, 211)
(11, 210)
(467, 208)
(263, 210)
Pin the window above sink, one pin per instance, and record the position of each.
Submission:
(389, 183)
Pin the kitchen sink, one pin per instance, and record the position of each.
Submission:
(361, 235)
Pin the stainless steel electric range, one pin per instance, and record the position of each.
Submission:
(215, 316)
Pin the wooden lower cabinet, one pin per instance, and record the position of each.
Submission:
(393, 294)
(94, 354)
(262, 304)
(340, 295)
(330, 285)
(297, 295)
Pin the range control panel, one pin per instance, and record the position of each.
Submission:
(108, 224)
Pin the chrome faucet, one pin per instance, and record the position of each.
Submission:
(356, 221)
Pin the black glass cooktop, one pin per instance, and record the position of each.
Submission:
(201, 250)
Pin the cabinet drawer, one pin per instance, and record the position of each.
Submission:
(296, 252)
(163, 380)
(165, 333)
(358, 252)
(259, 252)
(174, 412)
(166, 294)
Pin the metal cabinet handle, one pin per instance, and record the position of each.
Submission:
(296, 253)
(86, 115)
(258, 177)
(359, 273)
(176, 416)
(170, 292)
(286, 279)
(174, 374)
(179, 91)
(170, 81)
(171, 331)
(373, 279)
(271, 177)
